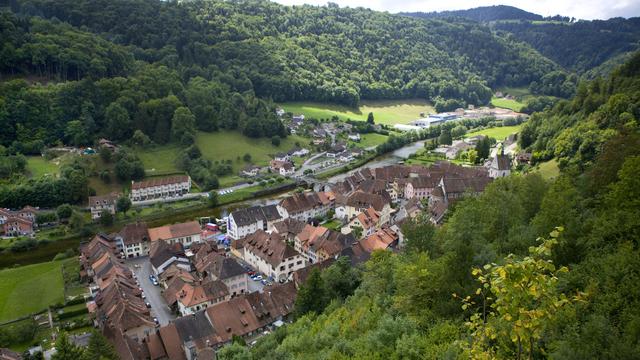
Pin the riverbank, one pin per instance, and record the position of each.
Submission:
(47, 250)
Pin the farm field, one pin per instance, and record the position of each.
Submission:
(497, 133)
(29, 289)
(38, 166)
(387, 112)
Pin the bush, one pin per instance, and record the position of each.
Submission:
(24, 245)
(72, 313)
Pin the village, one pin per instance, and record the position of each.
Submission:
(184, 290)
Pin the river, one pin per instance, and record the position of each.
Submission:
(387, 159)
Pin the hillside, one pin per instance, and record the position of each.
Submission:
(310, 53)
(578, 46)
(481, 14)
(531, 268)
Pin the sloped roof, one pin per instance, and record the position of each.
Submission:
(134, 233)
(174, 231)
(159, 182)
(251, 215)
(269, 247)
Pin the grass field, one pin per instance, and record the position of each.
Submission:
(372, 139)
(498, 133)
(514, 105)
(384, 111)
(549, 169)
(39, 166)
(29, 289)
(159, 159)
(229, 145)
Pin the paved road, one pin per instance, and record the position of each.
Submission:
(252, 285)
(159, 308)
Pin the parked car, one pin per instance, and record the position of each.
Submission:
(148, 304)
(264, 282)
(155, 320)
(257, 278)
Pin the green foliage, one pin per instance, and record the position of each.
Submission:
(518, 300)
(123, 204)
(106, 218)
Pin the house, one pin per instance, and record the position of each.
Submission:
(318, 243)
(383, 239)
(158, 188)
(108, 144)
(437, 211)
(271, 255)
(97, 204)
(500, 166)
(163, 254)
(198, 296)
(354, 137)
(452, 189)
(226, 269)
(18, 226)
(243, 222)
(522, 158)
(184, 233)
(345, 156)
(367, 221)
(298, 118)
(280, 112)
(307, 205)
(250, 171)
(19, 222)
(336, 150)
(282, 157)
(133, 240)
(420, 187)
(356, 152)
(350, 206)
(297, 151)
(284, 168)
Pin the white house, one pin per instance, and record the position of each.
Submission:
(97, 204)
(307, 205)
(133, 240)
(243, 222)
(284, 168)
(272, 255)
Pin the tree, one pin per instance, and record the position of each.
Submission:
(275, 140)
(370, 119)
(140, 139)
(445, 137)
(356, 231)
(123, 204)
(76, 133)
(419, 235)
(458, 131)
(66, 350)
(99, 348)
(106, 218)
(183, 125)
(311, 296)
(213, 199)
(64, 211)
(483, 148)
(105, 154)
(247, 157)
(118, 121)
(76, 221)
(515, 303)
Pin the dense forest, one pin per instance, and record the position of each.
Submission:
(578, 46)
(531, 268)
(481, 14)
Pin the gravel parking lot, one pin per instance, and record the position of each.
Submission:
(141, 267)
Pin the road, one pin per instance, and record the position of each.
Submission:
(159, 308)
(252, 285)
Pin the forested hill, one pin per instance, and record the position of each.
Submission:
(481, 14)
(578, 46)
(531, 268)
(308, 53)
